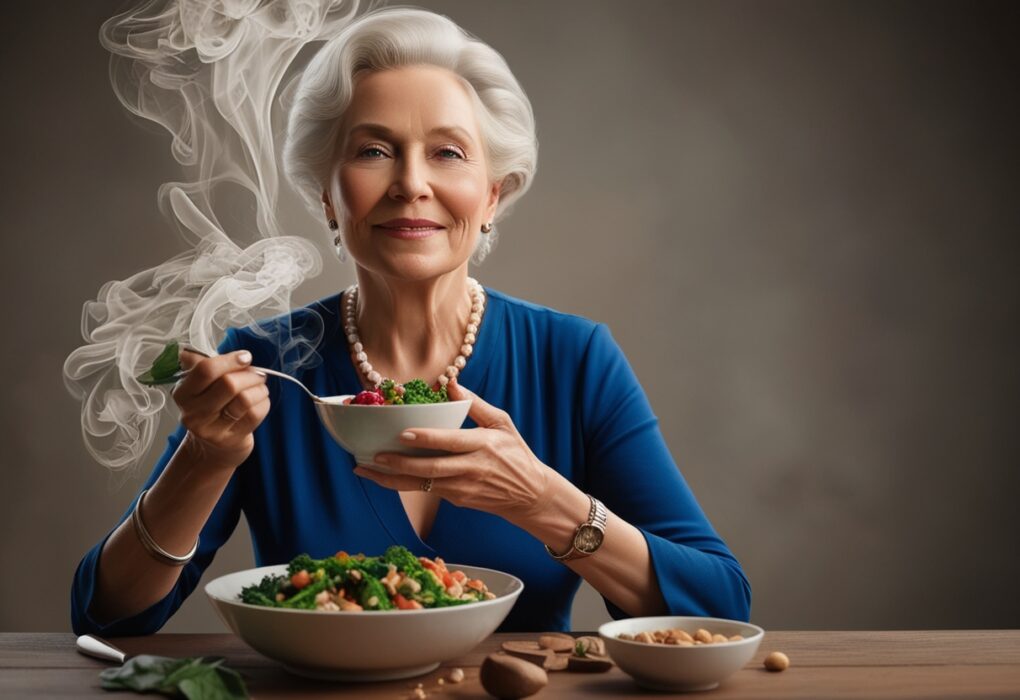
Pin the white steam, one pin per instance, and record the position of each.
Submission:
(209, 72)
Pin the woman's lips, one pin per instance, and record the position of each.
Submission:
(409, 229)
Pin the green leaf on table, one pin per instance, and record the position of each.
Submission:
(193, 678)
(164, 368)
(142, 673)
(208, 687)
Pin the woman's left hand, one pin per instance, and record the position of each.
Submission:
(490, 467)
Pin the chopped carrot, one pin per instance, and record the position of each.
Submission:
(405, 604)
(300, 579)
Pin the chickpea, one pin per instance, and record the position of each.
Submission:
(777, 661)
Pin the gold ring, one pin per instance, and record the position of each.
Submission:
(426, 485)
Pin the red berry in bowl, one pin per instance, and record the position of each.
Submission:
(368, 398)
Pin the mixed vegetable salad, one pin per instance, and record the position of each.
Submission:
(397, 580)
(389, 393)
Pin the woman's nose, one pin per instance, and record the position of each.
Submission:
(410, 181)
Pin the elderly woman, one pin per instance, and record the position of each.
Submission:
(416, 138)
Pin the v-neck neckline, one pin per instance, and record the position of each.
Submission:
(386, 503)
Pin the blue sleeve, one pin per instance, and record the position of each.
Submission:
(628, 466)
(214, 535)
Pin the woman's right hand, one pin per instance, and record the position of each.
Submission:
(222, 401)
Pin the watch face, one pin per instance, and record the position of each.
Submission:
(588, 539)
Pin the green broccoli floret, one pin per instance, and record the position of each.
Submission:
(407, 563)
(402, 558)
(417, 391)
(372, 595)
(264, 592)
(303, 562)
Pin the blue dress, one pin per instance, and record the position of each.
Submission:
(575, 400)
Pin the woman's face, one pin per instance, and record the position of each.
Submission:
(410, 148)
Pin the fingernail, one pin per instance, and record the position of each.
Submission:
(244, 357)
(407, 435)
(382, 459)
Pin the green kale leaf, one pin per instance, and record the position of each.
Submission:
(264, 592)
(165, 367)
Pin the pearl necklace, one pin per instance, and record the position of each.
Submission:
(477, 294)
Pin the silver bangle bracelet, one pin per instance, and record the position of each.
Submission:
(150, 545)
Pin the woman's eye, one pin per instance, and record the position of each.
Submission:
(448, 152)
(370, 152)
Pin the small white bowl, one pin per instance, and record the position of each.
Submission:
(364, 431)
(367, 645)
(678, 668)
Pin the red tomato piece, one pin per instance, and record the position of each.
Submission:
(403, 603)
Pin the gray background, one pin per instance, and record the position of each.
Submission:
(798, 219)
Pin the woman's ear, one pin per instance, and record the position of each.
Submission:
(327, 206)
(493, 200)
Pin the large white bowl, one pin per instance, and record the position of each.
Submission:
(677, 668)
(364, 431)
(362, 646)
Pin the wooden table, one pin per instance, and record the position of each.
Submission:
(929, 664)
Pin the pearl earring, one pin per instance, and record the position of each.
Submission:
(337, 240)
(487, 228)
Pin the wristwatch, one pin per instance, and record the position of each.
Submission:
(588, 536)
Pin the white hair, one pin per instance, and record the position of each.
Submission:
(400, 36)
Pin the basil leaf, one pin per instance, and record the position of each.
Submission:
(141, 673)
(194, 678)
(195, 668)
(211, 686)
(233, 682)
(164, 368)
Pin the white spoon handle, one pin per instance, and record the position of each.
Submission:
(281, 375)
(94, 646)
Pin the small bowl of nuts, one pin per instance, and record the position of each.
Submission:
(680, 653)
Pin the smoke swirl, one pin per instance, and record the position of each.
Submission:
(209, 72)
